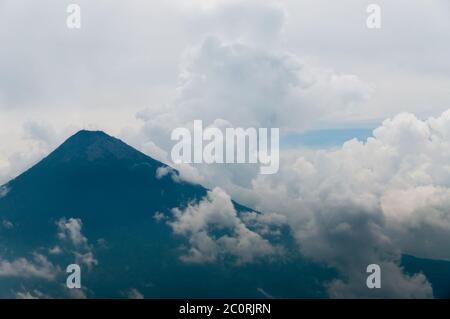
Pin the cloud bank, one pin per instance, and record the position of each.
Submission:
(215, 232)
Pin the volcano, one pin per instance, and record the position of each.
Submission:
(100, 203)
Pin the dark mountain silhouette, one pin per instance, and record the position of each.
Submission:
(113, 189)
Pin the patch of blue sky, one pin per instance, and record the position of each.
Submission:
(324, 138)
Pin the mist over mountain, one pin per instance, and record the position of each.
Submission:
(138, 230)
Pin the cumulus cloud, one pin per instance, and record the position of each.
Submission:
(56, 250)
(364, 202)
(362, 185)
(214, 231)
(229, 81)
(167, 170)
(368, 201)
(395, 284)
(349, 236)
(39, 267)
(87, 259)
(265, 224)
(269, 88)
(70, 232)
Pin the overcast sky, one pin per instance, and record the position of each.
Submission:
(128, 55)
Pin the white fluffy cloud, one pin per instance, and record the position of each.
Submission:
(265, 87)
(86, 258)
(362, 203)
(368, 202)
(69, 232)
(238, 84)
(39, 267)
(214, 231)
(395, 284)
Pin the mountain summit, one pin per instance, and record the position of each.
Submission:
(97, 178)
(94, 146)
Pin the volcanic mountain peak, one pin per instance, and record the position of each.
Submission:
(95, 145)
